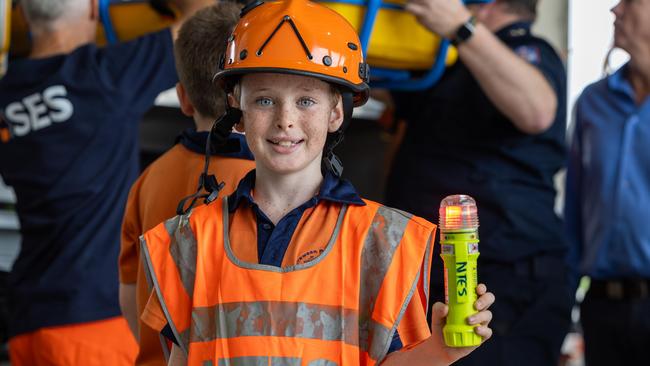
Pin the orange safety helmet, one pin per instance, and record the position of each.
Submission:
(297, 37)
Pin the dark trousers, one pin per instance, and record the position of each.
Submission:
(531, 315)
(616, 332)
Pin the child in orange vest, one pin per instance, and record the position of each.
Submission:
(155, 195)
(294, 268)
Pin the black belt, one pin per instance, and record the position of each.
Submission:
(624, 289)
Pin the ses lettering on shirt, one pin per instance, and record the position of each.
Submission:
(39, 110)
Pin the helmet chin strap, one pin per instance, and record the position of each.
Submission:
(331, 162)
(217, 137)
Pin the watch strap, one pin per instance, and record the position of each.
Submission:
(464, 32)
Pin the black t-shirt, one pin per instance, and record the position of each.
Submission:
(458, 142)
(71, 161)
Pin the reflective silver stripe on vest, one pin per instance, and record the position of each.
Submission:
(383, 238)
(269, 361)
(260, 361)
(182, 248)
(274, 319)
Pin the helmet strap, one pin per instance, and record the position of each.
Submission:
(217, 137)
(331, 162)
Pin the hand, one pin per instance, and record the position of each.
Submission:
(442, 17)
(483, 317)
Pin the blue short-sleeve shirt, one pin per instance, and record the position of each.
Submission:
(71, 159)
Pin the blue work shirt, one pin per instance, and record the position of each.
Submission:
(71, 160)
(273, 240)
(457, 141)
(608, 182)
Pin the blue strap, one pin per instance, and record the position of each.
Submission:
(105, 18)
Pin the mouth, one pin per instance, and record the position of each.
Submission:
(285, 143)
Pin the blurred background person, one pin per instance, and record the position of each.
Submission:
(493, 127)
(608, 199)
(156, 194)
(72, 111)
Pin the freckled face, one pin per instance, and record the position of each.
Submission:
(286, 119)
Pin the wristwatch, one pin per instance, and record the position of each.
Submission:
(464, 31)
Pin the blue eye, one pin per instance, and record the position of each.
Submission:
(264, 102)
(306, 102)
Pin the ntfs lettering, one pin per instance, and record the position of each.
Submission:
(461, 278)
(39, 110)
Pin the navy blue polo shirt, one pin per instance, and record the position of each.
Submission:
(273, 240)
(71, 160)
(458, 142)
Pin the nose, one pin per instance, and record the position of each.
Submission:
(617, 9)
(284, 118)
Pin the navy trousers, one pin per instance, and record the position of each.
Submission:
(616, 332)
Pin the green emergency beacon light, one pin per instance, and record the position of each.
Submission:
(459, 251)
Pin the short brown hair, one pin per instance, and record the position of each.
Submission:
(198, 49)
(524, 8)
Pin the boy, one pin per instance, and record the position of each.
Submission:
(333, 279)
(156, 193)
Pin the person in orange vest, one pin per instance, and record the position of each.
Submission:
(294, 268)
(155, 195)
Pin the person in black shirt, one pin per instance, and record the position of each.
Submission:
(493, 127)
(72, 110)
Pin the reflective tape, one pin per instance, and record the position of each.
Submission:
(383, 238)
(182, 249)
(274, 319)
(260, 361)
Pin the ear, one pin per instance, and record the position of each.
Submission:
(94, 10)
(234, 103)
(186, 105)
(336, 116)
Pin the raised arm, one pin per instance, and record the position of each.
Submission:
(518, 89)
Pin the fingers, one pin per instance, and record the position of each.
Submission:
(415, 8)
(485, 300)
(484, 331)
(483, 318)
(438, 313)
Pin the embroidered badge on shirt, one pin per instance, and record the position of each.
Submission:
(529, 53)
(310, 255)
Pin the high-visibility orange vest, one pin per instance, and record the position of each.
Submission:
(342, 308)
